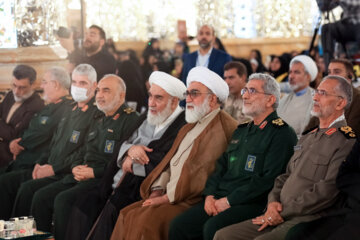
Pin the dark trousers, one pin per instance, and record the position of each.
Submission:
(9, 185)
(56, 200)
(195, 223)
(124, 195)
(328, 228)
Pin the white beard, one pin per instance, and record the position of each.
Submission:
(198, 112)
(110, 106)
(159, 118)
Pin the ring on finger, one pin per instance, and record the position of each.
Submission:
(269, 218)
(262, 220)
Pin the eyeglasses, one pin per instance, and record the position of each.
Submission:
(251, 91)
(323, 93)
(194, 94)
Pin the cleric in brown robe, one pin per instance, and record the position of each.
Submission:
(178, 181)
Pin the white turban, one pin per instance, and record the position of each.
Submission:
(211, 80)
(309, 65)
(170, 84)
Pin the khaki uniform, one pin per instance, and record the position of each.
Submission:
(308, 186)
(233, 106)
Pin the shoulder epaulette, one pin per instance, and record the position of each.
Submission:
(244, 124)
(129, 110)
(348, 132)
(309, 130)
(278, 122)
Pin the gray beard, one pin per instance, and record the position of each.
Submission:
(194, 115)
(24, 97)
(159, 118)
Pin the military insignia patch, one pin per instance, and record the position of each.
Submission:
(330, 131)
(116, 116)
(263, 124)
(250, 163)
(129, 110)
(58, 101)
(348, 132)
(43, 120)
(85, 108)
(109, 146)
(75, 136)
(278, 122)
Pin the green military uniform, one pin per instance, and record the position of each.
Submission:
(244, 174)
(36, 138)
(65, 143)
(97, 152)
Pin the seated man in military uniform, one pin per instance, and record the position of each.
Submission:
(36, 138)
(244, 174)
(307, 189)
(89, 164)
(136, 158)
(65, 143)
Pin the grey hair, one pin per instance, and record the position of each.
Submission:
(60, 75)
(121, 83)
(343, 88)
(85, 70)
(270, 86)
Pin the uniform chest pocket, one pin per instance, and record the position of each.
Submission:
(316, 167)
(91, 136)
(247, 161)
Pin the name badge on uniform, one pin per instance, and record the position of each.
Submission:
(297, 147)
(43, 120)
(250, 163)
(75, 136)
(109, 146)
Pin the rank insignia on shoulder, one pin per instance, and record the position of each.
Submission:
(116, 116)
(129, 110)
(348, 132)
(278, 122)
(263, 124)
(330, 131)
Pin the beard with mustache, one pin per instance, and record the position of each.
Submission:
(91, 47)
(198, 112)
(160, 117)
(110, 106)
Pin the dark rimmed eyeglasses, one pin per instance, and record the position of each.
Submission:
(251, 91)
(323, 93)
(194, 94)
